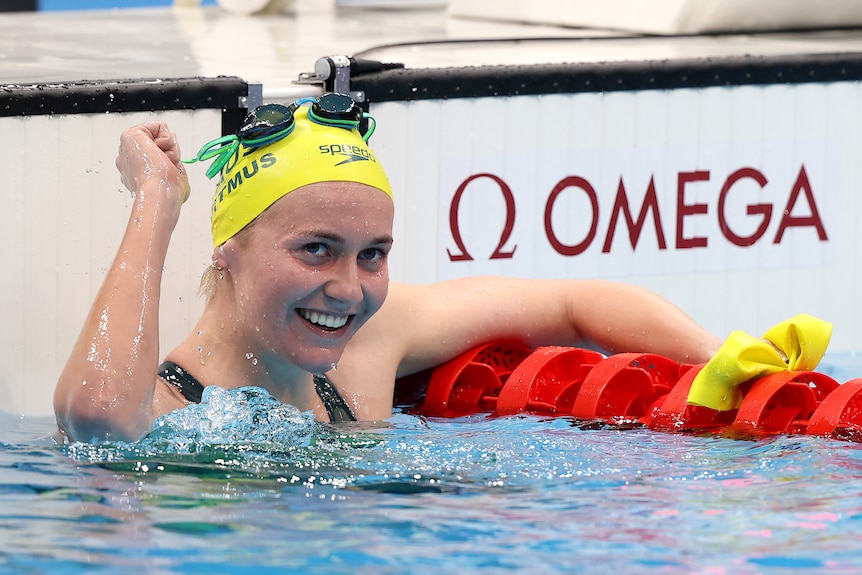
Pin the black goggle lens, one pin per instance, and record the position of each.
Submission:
(265, 120)
(337, 107)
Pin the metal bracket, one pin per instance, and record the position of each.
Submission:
(254, 97)
(333, 72)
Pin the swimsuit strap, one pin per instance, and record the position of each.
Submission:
(335, 405)
(191, 388)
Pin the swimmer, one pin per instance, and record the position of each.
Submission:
(298, 297)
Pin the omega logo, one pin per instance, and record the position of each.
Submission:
(800, 192)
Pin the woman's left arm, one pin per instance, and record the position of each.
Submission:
(431, 324)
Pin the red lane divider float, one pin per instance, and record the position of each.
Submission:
(471, 382)
(507, 378)
(547, 381)
(673, 413)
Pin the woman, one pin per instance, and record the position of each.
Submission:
(299, 300)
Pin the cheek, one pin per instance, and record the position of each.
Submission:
(379, 289)
(261, 289)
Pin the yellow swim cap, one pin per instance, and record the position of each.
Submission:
(254, 178)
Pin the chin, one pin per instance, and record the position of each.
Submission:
(315, 353)
(319, 363)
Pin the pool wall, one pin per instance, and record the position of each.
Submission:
(729, 186)
(66, 210)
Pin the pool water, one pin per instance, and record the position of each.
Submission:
(242, 484)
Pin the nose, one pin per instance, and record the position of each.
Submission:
(344, 283)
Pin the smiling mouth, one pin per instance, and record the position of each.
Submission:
(325, 320)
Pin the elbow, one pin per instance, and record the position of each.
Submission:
(86, 415)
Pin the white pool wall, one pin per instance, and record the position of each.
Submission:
(65, 214)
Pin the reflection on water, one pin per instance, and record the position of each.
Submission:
(242, 484)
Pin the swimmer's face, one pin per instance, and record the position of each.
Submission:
(314, 271)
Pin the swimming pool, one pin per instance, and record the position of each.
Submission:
(242, 485)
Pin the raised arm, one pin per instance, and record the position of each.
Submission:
(107, 386)
(435, 322)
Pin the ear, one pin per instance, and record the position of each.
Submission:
(225, 254)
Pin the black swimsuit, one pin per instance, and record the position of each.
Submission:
(192, 390)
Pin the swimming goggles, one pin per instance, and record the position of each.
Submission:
(270, 123)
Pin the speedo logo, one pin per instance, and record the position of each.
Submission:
(348, 152)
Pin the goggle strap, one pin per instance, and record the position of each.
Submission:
(372, 125)
(221, 148)
(332, 122)
(347, 124)
(271, 139)
(222, 159)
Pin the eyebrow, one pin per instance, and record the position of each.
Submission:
(387, 239)
(384, 239)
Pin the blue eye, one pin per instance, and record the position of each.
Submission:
(317, 249)
(372, 254)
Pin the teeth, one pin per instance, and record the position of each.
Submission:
(325, 320)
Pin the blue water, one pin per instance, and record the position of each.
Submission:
(242, 484)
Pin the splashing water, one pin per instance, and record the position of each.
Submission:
(248, 415)
(248, 419)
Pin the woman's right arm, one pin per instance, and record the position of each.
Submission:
(107, 387)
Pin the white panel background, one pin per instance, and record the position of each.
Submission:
(65, 212)
(532, 142)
